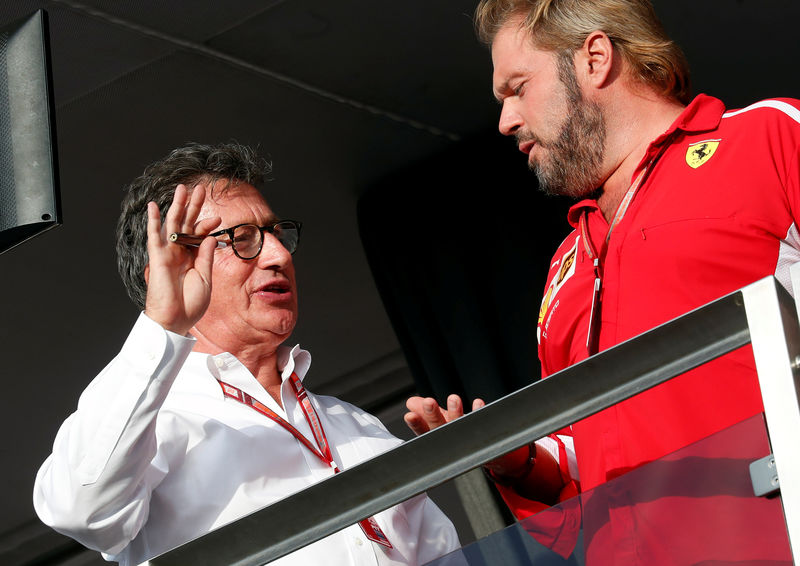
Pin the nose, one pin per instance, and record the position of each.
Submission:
(273, 254)
(510, 120)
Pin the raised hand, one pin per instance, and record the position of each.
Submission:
(179, 278)
(425, 414)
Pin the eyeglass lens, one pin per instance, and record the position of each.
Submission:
(247, 239)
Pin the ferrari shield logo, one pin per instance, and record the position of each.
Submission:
(700, 152)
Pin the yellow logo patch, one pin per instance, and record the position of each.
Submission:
(545, 304)
(567, 263)
(565, 271)
(700, 152)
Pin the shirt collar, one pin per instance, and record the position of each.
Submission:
(293, 360)
(704, 113)
(290, 360)
(577, 209)
(226, 367)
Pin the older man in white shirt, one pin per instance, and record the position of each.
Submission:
(202, 417)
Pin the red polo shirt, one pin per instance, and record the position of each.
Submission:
(716, 211)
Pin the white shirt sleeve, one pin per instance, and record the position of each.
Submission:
(95, 486)
(436, 535)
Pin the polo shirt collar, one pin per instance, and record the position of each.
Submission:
(704, 113)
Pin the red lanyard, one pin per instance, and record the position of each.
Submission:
(323, 448)
(593, 334)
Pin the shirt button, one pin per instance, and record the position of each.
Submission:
(219, 363)
(358, 541)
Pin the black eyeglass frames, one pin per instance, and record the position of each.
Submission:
(248, 239)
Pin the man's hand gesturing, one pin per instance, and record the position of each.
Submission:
(179, 278)
(425, 414)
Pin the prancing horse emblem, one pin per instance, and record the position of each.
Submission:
(700, 152)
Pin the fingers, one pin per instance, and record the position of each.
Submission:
(205, 259)
(425, 414)
(185, 209)
(455, 408)
(153, 228)
(193, 209)
(415, 423)
(173, 221)
(415, 405)
(207, 225)
(153, 219)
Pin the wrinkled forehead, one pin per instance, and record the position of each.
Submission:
(236, 203)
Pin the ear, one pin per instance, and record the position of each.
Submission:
(595, 59)
(147, 274)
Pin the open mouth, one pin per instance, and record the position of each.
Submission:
(526, 147)
(277, 287)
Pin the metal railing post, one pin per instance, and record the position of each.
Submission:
(775, 335)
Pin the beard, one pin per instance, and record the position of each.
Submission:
(571, 164)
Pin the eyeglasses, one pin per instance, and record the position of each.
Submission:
(248, 239)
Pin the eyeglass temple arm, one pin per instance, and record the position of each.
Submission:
(190, 240)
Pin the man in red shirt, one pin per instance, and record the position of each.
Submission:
(679, 203)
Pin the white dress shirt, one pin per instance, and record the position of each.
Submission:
(155, 456)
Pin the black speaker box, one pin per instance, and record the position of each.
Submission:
(29, 192)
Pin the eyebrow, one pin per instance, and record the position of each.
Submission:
(505, 87)
(272, 220)
(496, 92)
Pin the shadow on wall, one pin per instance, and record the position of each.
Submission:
(459, 246)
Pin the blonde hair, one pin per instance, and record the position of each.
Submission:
(563, 25)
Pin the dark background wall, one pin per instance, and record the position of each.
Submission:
(457, 246)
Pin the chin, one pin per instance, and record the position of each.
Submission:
(281, 327)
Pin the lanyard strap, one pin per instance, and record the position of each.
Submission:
(322, 450)
(593, 335)
(622, 208)
(311, 418)
(626, 201)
